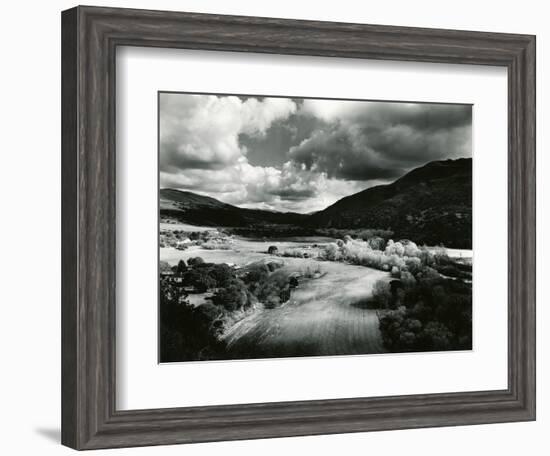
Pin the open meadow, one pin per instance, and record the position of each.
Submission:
(327, 311)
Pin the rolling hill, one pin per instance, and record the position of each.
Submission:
(203, 210)
(431, 204)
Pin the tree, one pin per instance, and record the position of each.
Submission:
(332, 253)
(182, 267)
(204, 282)
(222, 274)
(395, 248)
(377, 243)
(195, 261)
(381, 294)
(232, 297)
(199, 279)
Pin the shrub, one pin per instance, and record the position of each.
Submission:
(232, 297)
(199, 278)
(381, 294)
(332, 252)
(187, 333)
(407, 279)
(216, 245)
(377, 243)
(410, 249)
(274, 265)
(431, 313)
(436, 336)
(255, 276)
(394, 248)
(221, 273)
(413, 264)
(182, 267)
(195, 261)
(296, 253)
(256, 273)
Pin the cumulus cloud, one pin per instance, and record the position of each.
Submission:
(201, 131)
(289, 188)
(300, 155)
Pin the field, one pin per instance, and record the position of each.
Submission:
(332, 305)
(324, 315)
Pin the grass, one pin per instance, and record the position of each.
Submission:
(319, 319)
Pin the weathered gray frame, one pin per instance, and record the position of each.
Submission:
(90, 36)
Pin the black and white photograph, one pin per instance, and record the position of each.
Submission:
(293, 227)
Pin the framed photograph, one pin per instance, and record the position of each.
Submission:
(281, 228)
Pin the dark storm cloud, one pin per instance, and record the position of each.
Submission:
(271, 148)
(341, 153)
(421, 116)
(291, 194)
(384, 140)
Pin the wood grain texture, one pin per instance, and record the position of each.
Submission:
(89, 39)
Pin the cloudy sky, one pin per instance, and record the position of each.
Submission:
(293, 154)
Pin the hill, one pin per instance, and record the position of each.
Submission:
(430, 205)
(203, 210)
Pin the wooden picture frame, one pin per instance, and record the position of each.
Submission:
(90, 36)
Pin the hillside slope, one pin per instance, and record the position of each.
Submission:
(431, 204)
(203, 210)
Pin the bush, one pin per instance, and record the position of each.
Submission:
(413, 264)
(232, 297)
(216, 245)
(195, 261)
(274, 265)
(255, 276)
(396, 256)
(182, 267)
(381, 294)
(332, 252)
(297, 252)
(407, 279)
(199, 278)
(187, 333)
(394, 248)
(431, 313)
(377, 243)
(436, 336)
(410, 249)
(221, 273)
